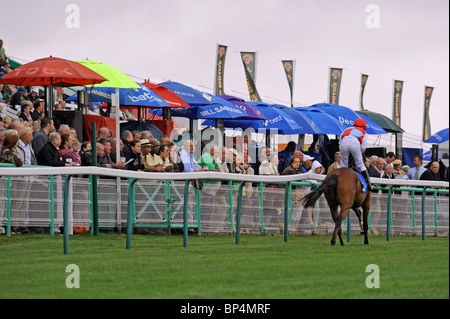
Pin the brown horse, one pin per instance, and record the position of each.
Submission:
(342, 188)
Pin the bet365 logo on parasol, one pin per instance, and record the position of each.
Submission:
(73, 16)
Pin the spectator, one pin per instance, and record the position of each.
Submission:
(380, 166)
(66, 153)
(85, 146)
(209, 159)
(269, 166)
(73, 133)
(316, 168)
(25, 150)
(387, 173)
(106, 160)
(300, 155)
(135, 162)
(136, 135)
(337, 162)
(398, 173)
(163, 139)
(25, 113)
(64, 129)
(41, 137)
(416, 171)
(432, 173)
(2, 136)
(34, 95)
(372, 168)
(48, 155)
(8, 152)
(126, 138)
(293, 166)
(76, 149)
(3, 57)
(19, 97)
(149, 158)
(285, 155)
(38, 110)
(406, 169)
(390, 157)
(307, 162)
(103, 133)
(112, 153)
(163, 157)
(187, 163)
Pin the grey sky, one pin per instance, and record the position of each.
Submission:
(177, 40)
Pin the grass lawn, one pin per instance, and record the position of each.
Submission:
(212, 267)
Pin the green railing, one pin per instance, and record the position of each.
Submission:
(169, 213)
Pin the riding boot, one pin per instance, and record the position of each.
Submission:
(365, 173)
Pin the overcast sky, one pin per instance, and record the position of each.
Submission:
(177, 40)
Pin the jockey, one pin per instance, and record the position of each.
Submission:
(353, 141)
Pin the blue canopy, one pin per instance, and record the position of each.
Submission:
(327, 123)
(347, 116)
(276, 120)
(190, 95)
(142, 96)
(309, 126)
(439, 137)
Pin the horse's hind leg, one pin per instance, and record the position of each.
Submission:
(342, 216)
(335, 215)
(366, 209)
(358, 214)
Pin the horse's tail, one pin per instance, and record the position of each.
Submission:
(310, 199)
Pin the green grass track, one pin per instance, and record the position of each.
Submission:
(212, 267)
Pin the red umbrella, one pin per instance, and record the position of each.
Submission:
(170, 97)
(52, 71)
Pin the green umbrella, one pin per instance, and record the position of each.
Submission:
(116, 78)
(386, 123)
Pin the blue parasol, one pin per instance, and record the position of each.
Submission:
(347, 116)
(276, 120)
(142, 96)
(326, 123)
(190, 95)
(439, 137)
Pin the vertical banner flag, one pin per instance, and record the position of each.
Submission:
(335, 85)
(288, 66)
(220, 66)
(248, 59)
(364, 78)
(426, 114)
(397, 107)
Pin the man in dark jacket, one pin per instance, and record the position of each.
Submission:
(49, 155)
(431, 174)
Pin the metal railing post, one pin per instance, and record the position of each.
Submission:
(185, 213)
(423, 212)
(66, 214)
(389, 214)
(238, 213)
(130, 211)
(286, 210)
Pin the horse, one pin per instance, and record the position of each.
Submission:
(342, 188)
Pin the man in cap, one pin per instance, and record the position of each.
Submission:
(354, 141)
(398, 172)
(19, 97)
